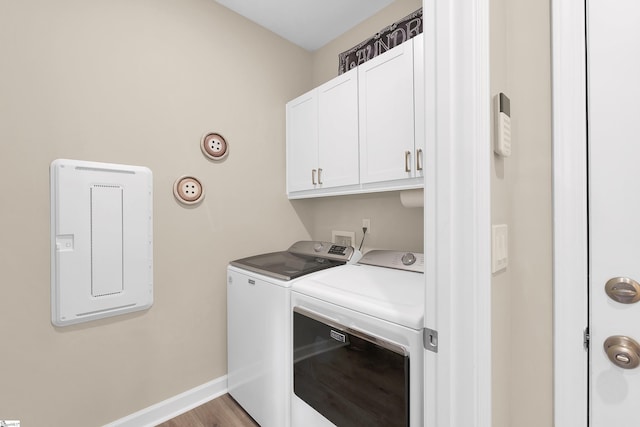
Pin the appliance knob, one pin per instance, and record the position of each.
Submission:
(408, 258)
(318, 247)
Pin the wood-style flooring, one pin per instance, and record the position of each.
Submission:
(220, 412)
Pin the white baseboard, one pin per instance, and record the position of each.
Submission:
(174, 406)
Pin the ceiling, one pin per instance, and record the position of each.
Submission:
(308, 23)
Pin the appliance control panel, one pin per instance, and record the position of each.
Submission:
(399, 260)
(319, 249)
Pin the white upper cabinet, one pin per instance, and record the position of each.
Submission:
(419, 106)
(302, 141)
(362, 131)
(338, 131)
(322, 136)
(386, 116)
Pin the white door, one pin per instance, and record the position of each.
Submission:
(338, 131)
(385, 89)
(419, 106)
(613, 71)
(302, 142)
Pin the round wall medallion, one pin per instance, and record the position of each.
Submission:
(188, 190)
(214, 146)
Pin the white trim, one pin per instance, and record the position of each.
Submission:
(570, 212)
(458, 215)
(432, 389)
(174, 406)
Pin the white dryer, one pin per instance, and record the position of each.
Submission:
(357, 344)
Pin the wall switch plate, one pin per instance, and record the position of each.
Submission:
(499, 247)
(343, 238)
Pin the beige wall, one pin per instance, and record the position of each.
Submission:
(501, 213)
(521, 197)
(392, 225)
(136, 82)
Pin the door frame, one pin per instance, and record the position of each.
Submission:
(457, 212)
(570, 232)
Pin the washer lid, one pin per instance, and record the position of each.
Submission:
(284, 265)
(393, 295)
(303, 257)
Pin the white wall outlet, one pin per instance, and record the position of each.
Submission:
(366, 223)
(343, 238)
(499, 247)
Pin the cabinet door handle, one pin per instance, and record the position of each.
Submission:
(407, 161)
(419, 159)
(313, 176)
(320, 176)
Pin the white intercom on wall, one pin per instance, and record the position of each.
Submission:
(502, 145)
(101, 240)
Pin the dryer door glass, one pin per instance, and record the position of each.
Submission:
(349, 377)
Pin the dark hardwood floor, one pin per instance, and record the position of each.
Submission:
(220, 412)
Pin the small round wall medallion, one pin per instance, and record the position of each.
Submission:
(188, 190)
(214, 146)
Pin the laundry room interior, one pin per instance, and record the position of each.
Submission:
(139, 83)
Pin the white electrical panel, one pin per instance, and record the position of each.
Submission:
(503, 126)
(101, 240)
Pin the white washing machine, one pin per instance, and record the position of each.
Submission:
(259, 325)
(357, 344)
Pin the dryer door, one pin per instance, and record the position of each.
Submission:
(349, 377)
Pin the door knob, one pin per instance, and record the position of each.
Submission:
(623, 290)
(624, 352)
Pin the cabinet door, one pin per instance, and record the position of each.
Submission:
(387, 115)
(419, 103)
(302, 141)
(338, 131)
